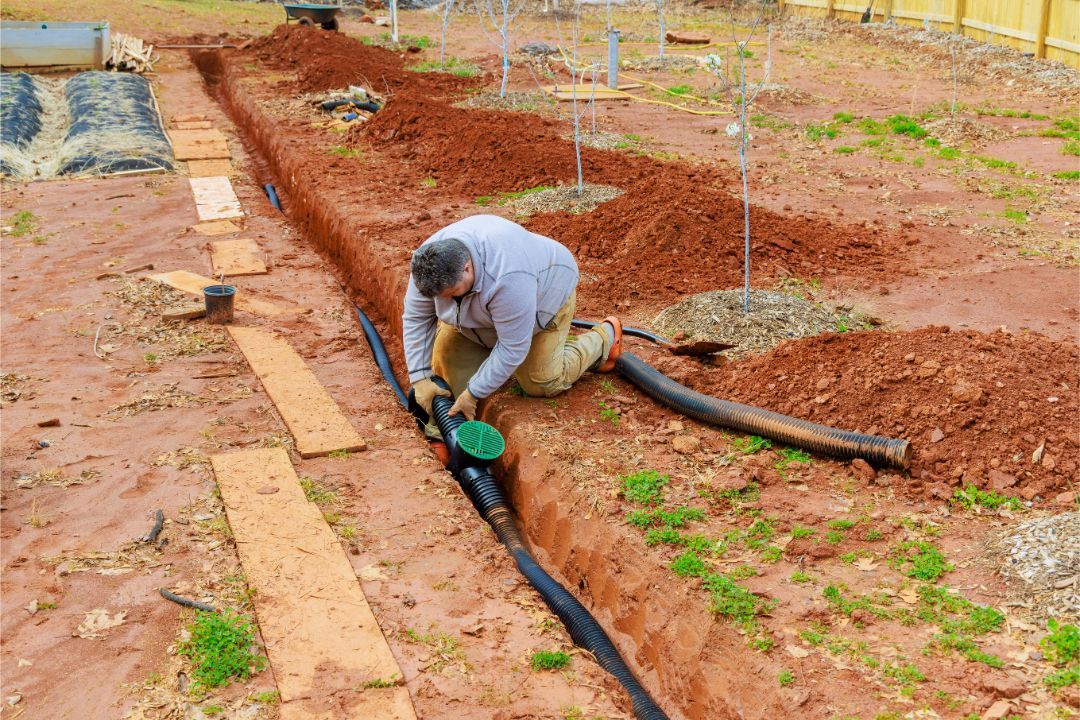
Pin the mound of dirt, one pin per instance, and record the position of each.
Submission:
(332, 60)
(994, 410)
(679, 233)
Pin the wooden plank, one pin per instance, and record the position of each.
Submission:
(321, 636)
(958, 17)
(237, 257)
(188, 118)
(199, 144)
(193, 125)
(215, 198)
(314, 419)
(587, 88)
(187, 312)
(600, 95)
(193, 284)
(1040, 33)
(216, 227)
(209, 168)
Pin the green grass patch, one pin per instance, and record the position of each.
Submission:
(1071, 148)
(645, 487)
(844, 149)
(688, 564)
(843, 117)
(1061, 645)
(680, 90)
(453, 65)
(801, 532)
(769, 122)
(22, 223)
(800, 577)
(676, 517)
(221, 649)
(816, 132)
(342, 151)
(1067, 175)
(948, 153)
(1010, 112)
(995, 163)
(750, 444)
(920, 560)
(1019, 217)
(785, 678)
(970, 496)
(787, 457)
(549, 660)
(903, 125)
(842, 524)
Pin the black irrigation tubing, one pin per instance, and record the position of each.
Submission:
(821, 439)
(334, 104)
(272, 195)
(169, 595)
(632, 332)
(487, 496)
(159, 523)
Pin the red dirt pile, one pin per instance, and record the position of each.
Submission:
(332, 61)
(676, 229)
(681, 234)
(976, 407)
(482, 152)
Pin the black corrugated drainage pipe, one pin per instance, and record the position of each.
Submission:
(843, 444)
(476, 480)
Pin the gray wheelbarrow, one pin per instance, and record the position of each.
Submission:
(313, 14)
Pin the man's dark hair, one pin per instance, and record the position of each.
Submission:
(439, 265)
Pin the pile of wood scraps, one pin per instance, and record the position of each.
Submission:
(130, 54)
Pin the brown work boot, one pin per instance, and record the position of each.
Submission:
(616, 346)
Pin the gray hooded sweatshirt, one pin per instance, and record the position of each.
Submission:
(522, 279)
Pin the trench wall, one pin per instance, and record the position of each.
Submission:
(694, 666)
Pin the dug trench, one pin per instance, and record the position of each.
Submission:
(639, 251)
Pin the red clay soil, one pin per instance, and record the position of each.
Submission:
(333, 61)
(676, 229)
(975, 406)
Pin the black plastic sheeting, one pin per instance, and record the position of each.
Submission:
(20, 113)
(114, 127)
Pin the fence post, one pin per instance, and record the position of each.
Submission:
(830, 11)
(780, 6)
(1044, 25)
(888, 10)
(958, 18)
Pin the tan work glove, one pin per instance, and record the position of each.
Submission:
(466, 405)
(425, 392)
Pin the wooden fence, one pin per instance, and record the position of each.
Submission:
(1048, 28)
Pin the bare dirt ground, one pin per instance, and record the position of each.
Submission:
(848, 631)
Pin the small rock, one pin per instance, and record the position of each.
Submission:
(453, 530)
(679, 336)
(1066, 498)
(966, 392)
(863, 469)
(941, 491)
(998, 710)
(936, 435)
(1000, 480)
(268, 490)
(910, 357)
(675, 426)
(685, 444)
(51, 422)
(928, 369)
(1004, 686)
(1048, 462)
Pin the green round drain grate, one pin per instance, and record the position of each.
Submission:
(480, 440)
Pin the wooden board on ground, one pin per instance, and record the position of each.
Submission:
(209, 168)
(686, 38)
(314, 419)
(216, 227)
(600, 95)
(321, 636)
(193, 284)
(199, 144)
(188, 118)
(193, 125)
(237, 257)
(215, 198)
(587, 88)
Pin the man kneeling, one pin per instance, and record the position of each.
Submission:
(488, 299)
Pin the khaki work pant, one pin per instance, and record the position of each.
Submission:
(555, 361)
